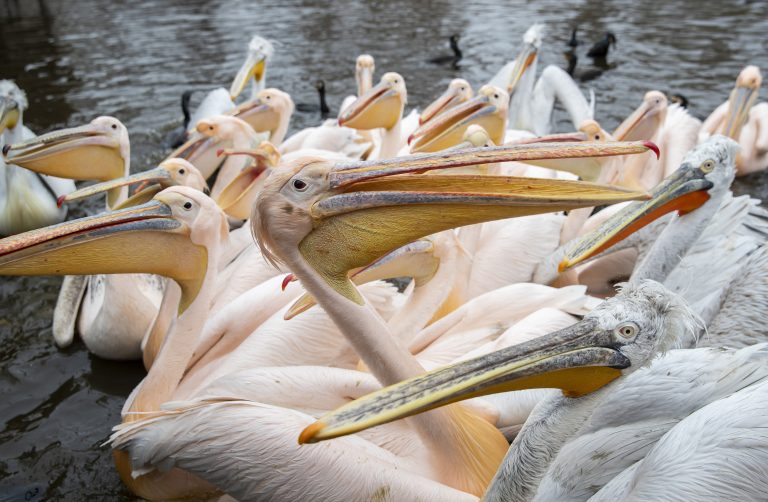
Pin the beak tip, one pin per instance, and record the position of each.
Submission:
(652, 146)
(6, 149)
(60, 200)
(286, 280)
(219, 152)
(563, 265)
(410, 139)
(310, 431)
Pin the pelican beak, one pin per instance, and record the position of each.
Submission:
(524, 61)
(377, 210)
(381, 106)
(158, 175)
(80, 153)
(740, 102)
(640, 125)
(447, 129)
(259, 115)
(685, 190)
(253, 67)
(237, 198)
(143, 239)
(9, 114)
(586, 168)
(416, 260)
(579, 359)
(446, 101)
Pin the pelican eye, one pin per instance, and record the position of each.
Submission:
(597, 137)
(707, 166)
(628, 330)
(187, 205)
(496, 96)
(300, 185)
(114, 126)
(182, 171)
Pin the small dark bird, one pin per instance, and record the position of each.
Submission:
(600, 49)
(573, 42)
(679, 99)
(311, 107)
(178, 136)
(457, 55)
(581, 75)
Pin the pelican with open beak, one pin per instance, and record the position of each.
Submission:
(459, 91)
(488, 109)
(237, 197)
(97, 151)
(254, 68)
(170, 172)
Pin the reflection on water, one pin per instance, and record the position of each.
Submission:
(78, 59)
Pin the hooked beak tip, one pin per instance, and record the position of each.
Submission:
(652, 146)
(410, 138)
(219, 152)
(563, 265)
(60, 200)
(6, 149)
(309, 432)
(287, 280)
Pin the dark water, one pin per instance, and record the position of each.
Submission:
(78, 59)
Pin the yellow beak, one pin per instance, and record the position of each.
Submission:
(142, 239)
(578, 359)
(381, 106)
(380, 211)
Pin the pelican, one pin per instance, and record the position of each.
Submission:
(669, 127)
(27, 199)
(530, 106)
(459, 91)
(380, 107)
(253, 69)
(737, 118)
(192, 232)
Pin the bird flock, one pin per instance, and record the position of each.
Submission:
(564, 315)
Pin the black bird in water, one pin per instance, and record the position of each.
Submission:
(311, 107)
(457, 55)
(573, 42)
(600, 49)
(581, 75)
(178, 136)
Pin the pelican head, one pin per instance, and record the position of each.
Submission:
(98, 151)
(224, 127)
(255, 66)
(593, 131)
(170, 172)
(271, 109)
(170, 236)
(364, 68)
(488, 109)
(646, 120)
(336, 217)
(526, 59)
(380, 106)
(707, 171)
(743, 96)
(13, 102)
(458, 92)
(619, 336)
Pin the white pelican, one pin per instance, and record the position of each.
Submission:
(253, 69)
(670, 127)
(737, 118)
(365, 66)
(458, 92)
(380, 107)
(530, 106)
(27, 199)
